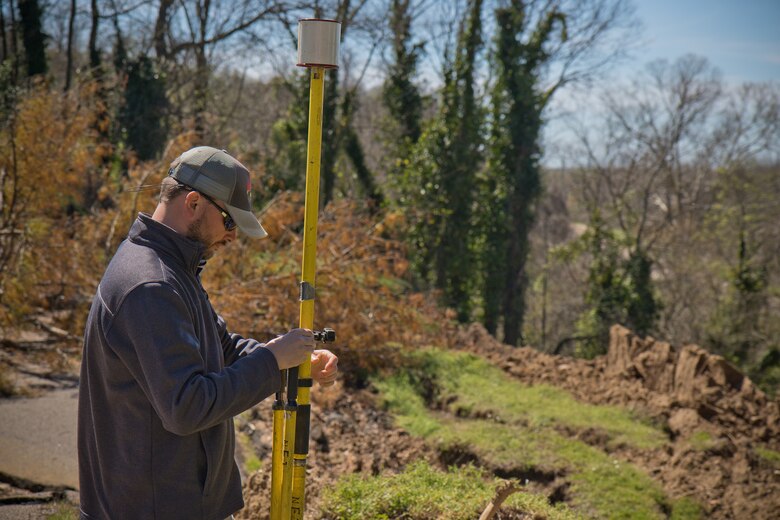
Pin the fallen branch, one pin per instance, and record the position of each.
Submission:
(502, 493)
(60, 333)
(42, 344)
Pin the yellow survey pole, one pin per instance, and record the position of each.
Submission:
(301, 450)
(318, 43)
(290, 418)
(277, 455)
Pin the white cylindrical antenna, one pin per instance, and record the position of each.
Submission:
(318, 43)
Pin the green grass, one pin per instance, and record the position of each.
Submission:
(424, 492)
(395, 285)
(601, 486)
(686, 509)
(7, 388)
(251, 462)
(702, 441)
(511, 426)
(469, 385)
(270, 262)
(63, 511)
(768, 455)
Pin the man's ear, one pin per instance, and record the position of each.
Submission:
(191, 200)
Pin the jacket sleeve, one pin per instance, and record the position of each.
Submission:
(152, 333)
(234, 345)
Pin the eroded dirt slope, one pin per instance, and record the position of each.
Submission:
(715, 418)
(717, 421)
(350, 434)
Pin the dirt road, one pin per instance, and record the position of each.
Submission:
(38, 438)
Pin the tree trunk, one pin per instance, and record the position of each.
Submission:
(160, 30)
(69, 64)
(331, 137)
(516, 283)
(2, 31)
(94, 53)
(31, 16)
(493, 253)
(201, 71)
(354, 151)
(14, 48)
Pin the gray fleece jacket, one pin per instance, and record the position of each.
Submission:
(161, 380)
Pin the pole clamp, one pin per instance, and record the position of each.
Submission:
(307, 291)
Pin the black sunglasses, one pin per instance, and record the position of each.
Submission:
(230, 224)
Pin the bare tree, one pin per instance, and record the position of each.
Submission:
(69, 62)
(641, 178)
(189, 34)
(11, 207)
(749, 123)
(94, 52)
(741, 224)
(540, 47)
(161, 27)
(2, 31)
(658, 170)
(640, 164)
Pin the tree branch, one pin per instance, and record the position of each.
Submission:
(503, 492)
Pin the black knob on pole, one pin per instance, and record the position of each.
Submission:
(326, 335)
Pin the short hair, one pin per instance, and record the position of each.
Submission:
(171, 188)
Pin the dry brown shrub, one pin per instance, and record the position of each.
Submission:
(361, 291)
(47, 147)
(361, 270)
(64, 250)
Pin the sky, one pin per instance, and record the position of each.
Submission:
(739, 37)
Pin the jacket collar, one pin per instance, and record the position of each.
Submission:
(148, 232)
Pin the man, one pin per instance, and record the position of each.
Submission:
(161, 376)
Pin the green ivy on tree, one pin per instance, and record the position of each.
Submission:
(440, 180)
(512, 182)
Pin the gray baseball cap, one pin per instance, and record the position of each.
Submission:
(215, 173)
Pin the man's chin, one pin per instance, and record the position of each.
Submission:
(212, 249)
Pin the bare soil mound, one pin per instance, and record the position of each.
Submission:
(717, 420)
(350, 434)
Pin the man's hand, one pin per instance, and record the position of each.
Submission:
(324, 367)
(293, 348)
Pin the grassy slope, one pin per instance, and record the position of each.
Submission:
(459, 401)
(424, 492)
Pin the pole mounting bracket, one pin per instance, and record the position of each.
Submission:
(307, 291)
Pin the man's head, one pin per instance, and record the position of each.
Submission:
(223, 180)
(205, 197)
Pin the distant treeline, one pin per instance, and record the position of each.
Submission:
(666, 222)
